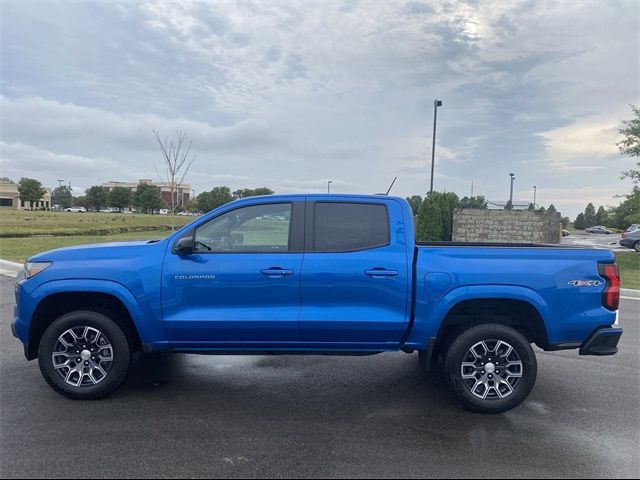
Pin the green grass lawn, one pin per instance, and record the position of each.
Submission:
(20, 223)
(629, 263)
(19, 249)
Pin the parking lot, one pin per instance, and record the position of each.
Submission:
(379, 416)
(583, 239)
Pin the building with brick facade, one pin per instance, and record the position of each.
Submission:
(182, 192)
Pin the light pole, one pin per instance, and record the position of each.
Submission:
(329, 186)
(436, 104)
(513, 177)
(534, 197)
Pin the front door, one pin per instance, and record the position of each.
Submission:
(242, 283)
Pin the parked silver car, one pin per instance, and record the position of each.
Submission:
(599, 229)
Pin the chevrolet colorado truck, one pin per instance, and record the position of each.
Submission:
(319, 275)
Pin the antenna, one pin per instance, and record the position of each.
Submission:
(391, 186)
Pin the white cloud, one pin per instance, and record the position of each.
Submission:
(291, 94)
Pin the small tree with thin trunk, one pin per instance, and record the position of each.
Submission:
(177, 159)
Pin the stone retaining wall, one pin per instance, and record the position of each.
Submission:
(474, 225)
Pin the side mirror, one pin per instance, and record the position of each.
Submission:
(184, 246)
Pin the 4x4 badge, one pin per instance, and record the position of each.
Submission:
(585, 283)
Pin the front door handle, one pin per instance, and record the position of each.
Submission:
(381, 272)
(276, 272)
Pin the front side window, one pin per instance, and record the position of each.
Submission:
(258, 228)
(344, 227)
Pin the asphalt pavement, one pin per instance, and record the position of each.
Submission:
(286, 416)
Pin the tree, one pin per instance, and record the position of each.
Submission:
(552, 208)
(435, 218)
(580, 223)
(120, 197)
(62, 196)
(601, 216)
(415, 201)
(509, 205)
(80, 201)
(531, 208)
(177, 158)
(630, 144)
(30, 190)
(147, 198)
(634, 175)
(542, 209)
(478, 202)
(590, 215)
(7, 180)
(97, 196)
(627, 212)
(252, 192)
(429, 224)
(218, 196)
(565, 222)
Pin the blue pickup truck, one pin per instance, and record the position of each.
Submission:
(319, 275)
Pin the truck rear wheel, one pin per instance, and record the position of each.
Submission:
(490, 368)
(84, 355)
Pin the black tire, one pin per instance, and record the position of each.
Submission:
(117, 369)
(460, 350)
(636, 246)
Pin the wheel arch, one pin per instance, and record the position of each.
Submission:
(54, 301)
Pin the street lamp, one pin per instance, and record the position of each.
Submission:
(436, 104)
(534, 197)
(513, 177)
(329, 186)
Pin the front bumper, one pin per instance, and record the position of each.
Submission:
(604, 341)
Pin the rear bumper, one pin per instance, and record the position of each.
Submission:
(604, 341)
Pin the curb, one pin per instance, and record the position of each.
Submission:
(628, 292)
(8, 264)
(9, 269)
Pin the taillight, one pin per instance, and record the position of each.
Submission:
(611, 295)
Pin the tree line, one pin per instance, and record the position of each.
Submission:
(146, 198)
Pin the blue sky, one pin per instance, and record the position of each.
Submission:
(290, 95)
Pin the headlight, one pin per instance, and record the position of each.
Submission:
(31, 269)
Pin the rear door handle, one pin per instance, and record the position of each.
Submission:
(381, 272)
(276, 272)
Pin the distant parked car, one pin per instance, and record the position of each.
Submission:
(163, 211)
(565, 233)
(76, 209)
(632, 240)
(633, 228)
(599, 229)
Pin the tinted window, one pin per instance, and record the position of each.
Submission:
(259, 228)
(350, 226)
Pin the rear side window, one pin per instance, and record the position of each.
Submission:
(347, 227)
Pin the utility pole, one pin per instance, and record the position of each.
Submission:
(513, 177)
(436, 104)
(534, 197)
(329, 186)
(60, 183)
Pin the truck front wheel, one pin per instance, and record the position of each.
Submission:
(490, 368)
(84, 355)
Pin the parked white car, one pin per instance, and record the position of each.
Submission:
(76, 209)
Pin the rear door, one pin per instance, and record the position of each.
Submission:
(355, 273)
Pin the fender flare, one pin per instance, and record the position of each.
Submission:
(148, 331)
(433, 324)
